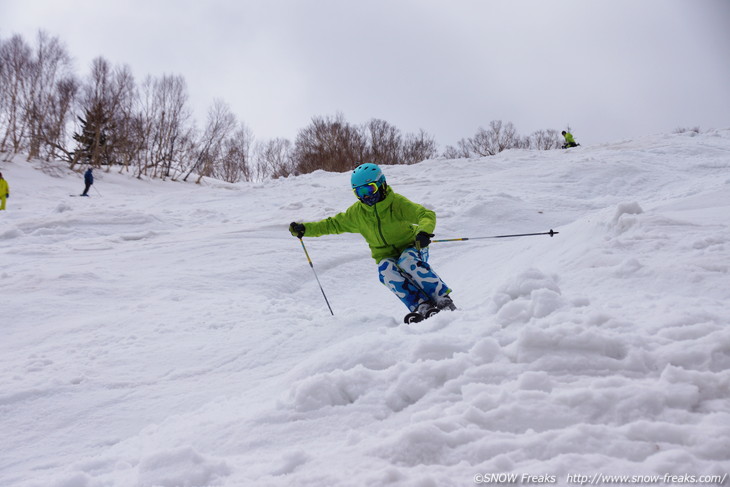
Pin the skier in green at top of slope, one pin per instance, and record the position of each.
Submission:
(398, 232)
(569, 140)
(4, 191)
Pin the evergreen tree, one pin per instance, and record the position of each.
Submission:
(92, 140)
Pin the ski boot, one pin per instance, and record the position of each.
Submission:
(445, 302)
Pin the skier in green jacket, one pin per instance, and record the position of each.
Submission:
(569, 140)
(4, 191)
(398, 232)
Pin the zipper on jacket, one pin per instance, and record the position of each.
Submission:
(380, 227)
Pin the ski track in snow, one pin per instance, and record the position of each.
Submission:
(168, 334)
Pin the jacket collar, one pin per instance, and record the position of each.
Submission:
(380, 205)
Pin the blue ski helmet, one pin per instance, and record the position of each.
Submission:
(368, 183)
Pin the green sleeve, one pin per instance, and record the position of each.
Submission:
(340, 223)
(425, 218)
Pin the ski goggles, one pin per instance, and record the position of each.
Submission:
(365, 190)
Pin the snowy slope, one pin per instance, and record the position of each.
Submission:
(168, 334)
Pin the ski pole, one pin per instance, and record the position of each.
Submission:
(96, 189)
(551, 233)
(315, 275)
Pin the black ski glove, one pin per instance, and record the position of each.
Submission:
(297, 229)
(423, 240)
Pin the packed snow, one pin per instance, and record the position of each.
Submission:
(170, 334)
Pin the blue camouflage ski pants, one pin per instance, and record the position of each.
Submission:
(411, 278)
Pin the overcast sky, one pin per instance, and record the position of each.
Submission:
(611, 69)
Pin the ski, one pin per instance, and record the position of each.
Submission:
(416, 317)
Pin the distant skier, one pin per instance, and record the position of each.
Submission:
(88, 181)
(569, 140)
(398, 233)
(4, 191)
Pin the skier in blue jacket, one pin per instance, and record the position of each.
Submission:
(88, 181)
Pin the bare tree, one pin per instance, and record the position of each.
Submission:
(480, 144)
(164, 133)
(235, 160)
(4, 92)
(459, 152)
(221, 123)
(144, 125)
(330, 144)
(15, 68)
(418, 147)
(499, 137)
(60, 110)
(173, 131)
(544, 140)
(384, 142)
(274, 159)
(49, 65)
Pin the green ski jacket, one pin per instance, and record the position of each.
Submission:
(389, 226)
